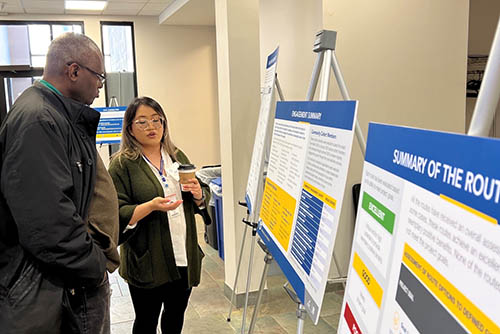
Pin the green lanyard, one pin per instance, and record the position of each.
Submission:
(50, 86)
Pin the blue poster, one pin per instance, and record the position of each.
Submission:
(109, 130)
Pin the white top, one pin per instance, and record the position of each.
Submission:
(176, 218)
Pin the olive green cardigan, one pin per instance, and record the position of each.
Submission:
(146, 255)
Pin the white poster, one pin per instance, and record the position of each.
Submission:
(261, 141)
(310, 153)
(426, 250)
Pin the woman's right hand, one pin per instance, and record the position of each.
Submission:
(163, 204)
(156, 204)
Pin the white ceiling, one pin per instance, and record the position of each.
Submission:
(187, 12)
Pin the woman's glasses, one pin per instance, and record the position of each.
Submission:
(143, 123)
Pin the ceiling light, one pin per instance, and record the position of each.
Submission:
(85, 5)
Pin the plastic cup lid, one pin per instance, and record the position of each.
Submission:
(186, 168)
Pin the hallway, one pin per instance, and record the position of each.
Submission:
(208, 307)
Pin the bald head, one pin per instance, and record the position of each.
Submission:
(75, 67)
(68, 48)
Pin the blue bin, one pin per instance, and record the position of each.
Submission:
(217, 196)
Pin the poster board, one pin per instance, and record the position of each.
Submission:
(255, 174)
(426, 250)
(109, 130)
(310, 153)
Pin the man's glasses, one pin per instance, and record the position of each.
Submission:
(143, 123)
(101, 77)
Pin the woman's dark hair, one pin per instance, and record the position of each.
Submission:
(130, 147)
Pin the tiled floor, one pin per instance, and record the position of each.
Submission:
(208, 307)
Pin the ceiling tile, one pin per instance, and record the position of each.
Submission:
(44, 11)
(115, 7)
(11, 2)
(123, 8)
(13, 8)
(43, 7)
(153, 9)
(42, 3)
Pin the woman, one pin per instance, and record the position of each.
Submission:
(160, 256)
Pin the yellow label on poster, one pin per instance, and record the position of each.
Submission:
(368, 280)
(330, 201)
(277, 212)
(108, 135)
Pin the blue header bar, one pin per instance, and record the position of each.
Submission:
(105, 109)
(272, 58)
(461, 167)
(336, 114)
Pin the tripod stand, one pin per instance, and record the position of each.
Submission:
(324, 46)
(249, 223)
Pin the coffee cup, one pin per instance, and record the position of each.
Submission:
(186, 172)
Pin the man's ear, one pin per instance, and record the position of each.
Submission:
(73, 72)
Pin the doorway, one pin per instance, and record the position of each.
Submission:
(13, 81)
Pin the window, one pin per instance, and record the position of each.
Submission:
(119, 62)
(26, 43)
(23, 49)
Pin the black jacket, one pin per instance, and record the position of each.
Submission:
(47, 163)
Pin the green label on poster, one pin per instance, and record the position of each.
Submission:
(379, 212)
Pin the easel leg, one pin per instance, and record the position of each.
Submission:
(237, 271)
(325, 79)
(489, 94)
(301, 310)
(267, 259)
(301, 317)
(249, 279)
(278, 88)
(315, 77)
(337, 268)
(345, 94)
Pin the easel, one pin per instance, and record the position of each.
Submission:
(249, 222)
(325, 47)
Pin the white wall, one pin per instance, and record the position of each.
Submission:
(177, 67)
(405, 61)
(291, 24)
(238, 66)
(483, 20)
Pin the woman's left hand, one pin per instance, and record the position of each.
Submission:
(194, 187)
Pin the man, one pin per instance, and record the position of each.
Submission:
(52, 272)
